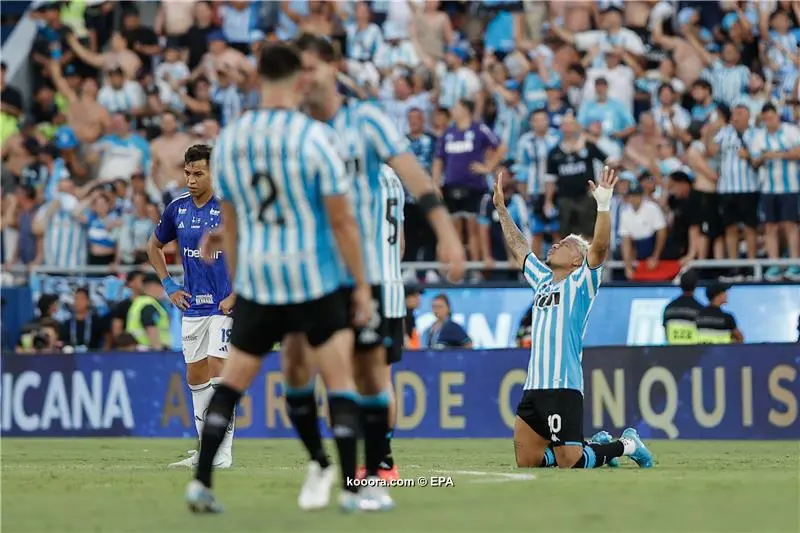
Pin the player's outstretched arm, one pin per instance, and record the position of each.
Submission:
(602, 193)
(515, 240)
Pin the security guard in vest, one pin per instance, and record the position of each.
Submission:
(680, 313)
(715, 326)
(148, 319)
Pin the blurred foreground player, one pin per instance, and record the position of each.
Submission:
(287, 225)
(564, 286)
(367, 139)
(205, 297)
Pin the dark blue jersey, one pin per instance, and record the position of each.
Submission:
(208, 284)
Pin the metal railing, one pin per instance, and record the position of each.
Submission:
(756, 265)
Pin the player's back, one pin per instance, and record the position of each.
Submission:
(184, 221)
(367, 138)
(388, 215)
(559, 317)
(277, 166)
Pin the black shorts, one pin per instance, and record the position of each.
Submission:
(461, 200)
(376, 331)
(396, 340)
(554, 414)
(704, 212)
(738, 209)
(257, 327)
(780, 207)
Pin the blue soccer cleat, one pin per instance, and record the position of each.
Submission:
(641, 455)
(604, 437)
(200, 499)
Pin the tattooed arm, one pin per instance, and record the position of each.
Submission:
(516, 243)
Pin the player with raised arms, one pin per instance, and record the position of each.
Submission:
(367, 139)
(287, 228)
(548, 430)
(205, 297)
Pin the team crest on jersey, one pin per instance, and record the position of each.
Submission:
(196, 221)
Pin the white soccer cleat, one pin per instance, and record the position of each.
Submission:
(375, 497)
(222, 461)
(189, 462)
(349, 502)
(316, 490)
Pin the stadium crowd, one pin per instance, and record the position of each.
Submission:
(696, 103)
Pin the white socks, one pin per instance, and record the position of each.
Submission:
(226, 447)
(201, 396)
(629, 446)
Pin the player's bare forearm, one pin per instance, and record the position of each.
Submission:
(155, 256)
(515, 240)
(601, 240)
(230, 238)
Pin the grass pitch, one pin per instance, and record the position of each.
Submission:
(122, 485)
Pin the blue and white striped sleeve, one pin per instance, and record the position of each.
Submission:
(534, 271)
(323, 158)
(381, 132)
(218, 175)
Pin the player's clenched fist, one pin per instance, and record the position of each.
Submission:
(362, 305)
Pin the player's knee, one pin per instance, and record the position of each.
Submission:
(197, 372)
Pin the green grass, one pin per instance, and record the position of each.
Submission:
(121, 485)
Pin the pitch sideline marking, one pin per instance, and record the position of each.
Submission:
(490, 477)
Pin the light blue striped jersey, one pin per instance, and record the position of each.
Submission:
(509, 123)
(531, 159)
(457, 85)
(388, 215)
(560, 314)
(366, 138)
(727, 83)
(123, 100)
(277, 166)
(65, 239)
(778, 176)
(736, 176)
(362, 45)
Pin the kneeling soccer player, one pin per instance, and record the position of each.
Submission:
(206, 297)
(549, 426)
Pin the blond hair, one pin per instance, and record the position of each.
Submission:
(583, 244)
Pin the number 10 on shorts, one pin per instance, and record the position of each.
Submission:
(554, 423)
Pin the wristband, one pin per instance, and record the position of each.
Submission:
(170, 286)
(603, 198)
(429, 201)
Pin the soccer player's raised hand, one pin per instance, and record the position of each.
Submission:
(499, 198)
(605, 188)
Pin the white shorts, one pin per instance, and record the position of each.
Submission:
(205, 336)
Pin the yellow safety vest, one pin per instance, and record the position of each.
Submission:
(134, 326)
(681, 332)
(712, 336)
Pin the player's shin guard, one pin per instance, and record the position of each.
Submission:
(344, 411)
(597, 455)
(303, 414)
(201, 395)
(549, 458)
(220, 413)
(375, 424)
(226, 448)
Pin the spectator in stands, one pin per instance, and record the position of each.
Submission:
(63, 234)
(42, 340)
(135, 229)
(776, 155)
(431, 32)
(148, 318)
(195, 40)
(493, 247)
(84, 330)
(134, 285)
(121, 152)
(11, 105)
(174, 19)
(141, 39)
(643, 230)
(458, 82)
(20, 214)
(167, 151)
(465, 154)
(118, 56)
(570, 166)
(444, 333)
(95, 212)
(171, 76)
(738, 183)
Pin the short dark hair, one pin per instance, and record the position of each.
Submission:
(769, 107)
(133, 275)
(704, 84)
(443, 297)
(469, 104)
(151, 278)
(197, 152)
(318, 45)
(82, 290)
(577, 68)
(279, 61)
(540, 110)
(443, 110)
(125, 340)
